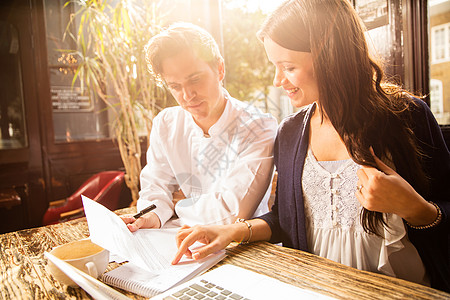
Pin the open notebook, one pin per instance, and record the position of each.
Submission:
(232, 282)
(149, 252)
(134, 279)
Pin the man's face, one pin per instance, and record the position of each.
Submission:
(196, 86)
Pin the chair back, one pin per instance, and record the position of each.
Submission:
(104, 187)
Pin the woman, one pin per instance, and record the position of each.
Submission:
(362, 168)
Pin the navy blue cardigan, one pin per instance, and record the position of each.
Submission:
(287, 218)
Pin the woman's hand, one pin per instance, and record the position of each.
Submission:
(148, 220)
(384, 190)
(215, 238)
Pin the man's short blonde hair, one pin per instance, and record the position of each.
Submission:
(177, 38)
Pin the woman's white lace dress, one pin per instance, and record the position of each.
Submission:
(334, 230)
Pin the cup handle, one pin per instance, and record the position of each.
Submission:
(92, 269)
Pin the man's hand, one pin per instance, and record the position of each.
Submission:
(149, 220)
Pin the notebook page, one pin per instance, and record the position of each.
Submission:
(134, 279)
(152, 249)
(130, 277)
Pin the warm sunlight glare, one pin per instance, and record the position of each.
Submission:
(265, 6)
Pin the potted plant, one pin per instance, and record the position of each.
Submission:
(110, 39)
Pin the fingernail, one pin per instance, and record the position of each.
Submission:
(196, 255)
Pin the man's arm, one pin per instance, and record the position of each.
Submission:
(157, 179)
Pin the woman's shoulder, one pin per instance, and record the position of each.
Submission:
(295, 119)
(421, 114)
(419, 104)
(291, 127)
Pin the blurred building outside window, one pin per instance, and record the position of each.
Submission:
(439, 12)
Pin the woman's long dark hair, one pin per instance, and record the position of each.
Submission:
(364, 111)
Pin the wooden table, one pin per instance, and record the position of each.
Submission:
(24, 274)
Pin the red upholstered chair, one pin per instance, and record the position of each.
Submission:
(104, 188)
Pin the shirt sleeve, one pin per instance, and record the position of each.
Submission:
(242, 187)
(157, 179)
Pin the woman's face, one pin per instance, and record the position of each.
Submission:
(293, 72)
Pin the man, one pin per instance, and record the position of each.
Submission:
(216, 149)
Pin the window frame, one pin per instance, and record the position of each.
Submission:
(446, 46)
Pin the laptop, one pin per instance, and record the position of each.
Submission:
(236, 283)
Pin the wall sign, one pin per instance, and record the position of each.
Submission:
(70, 99)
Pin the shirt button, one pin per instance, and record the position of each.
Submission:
(334, 222)
(334, 191)
(334, 175)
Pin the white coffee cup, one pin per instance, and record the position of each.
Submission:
(84, 255)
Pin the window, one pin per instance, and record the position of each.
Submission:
(436, 97)
(13, 133)
(440, 43)
(439, 24)
(77, 114)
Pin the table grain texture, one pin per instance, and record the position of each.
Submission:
(24, 274)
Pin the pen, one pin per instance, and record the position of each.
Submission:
(144, 211)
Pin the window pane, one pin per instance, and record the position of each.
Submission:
(436, 96)
(447, 45)
(13, 134)
(440, 60)
(77, 115)
(439, 44)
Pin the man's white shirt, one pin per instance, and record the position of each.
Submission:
(223, 175)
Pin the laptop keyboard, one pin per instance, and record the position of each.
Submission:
(204, 290)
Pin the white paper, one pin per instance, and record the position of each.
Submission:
(133, 278)
(151, 249)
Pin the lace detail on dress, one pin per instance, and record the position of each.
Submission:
(330, 199)
(334, 230)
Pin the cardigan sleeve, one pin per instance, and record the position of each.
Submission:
(271, 217)
(436, 162)
(285, 219)
(433, 244)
